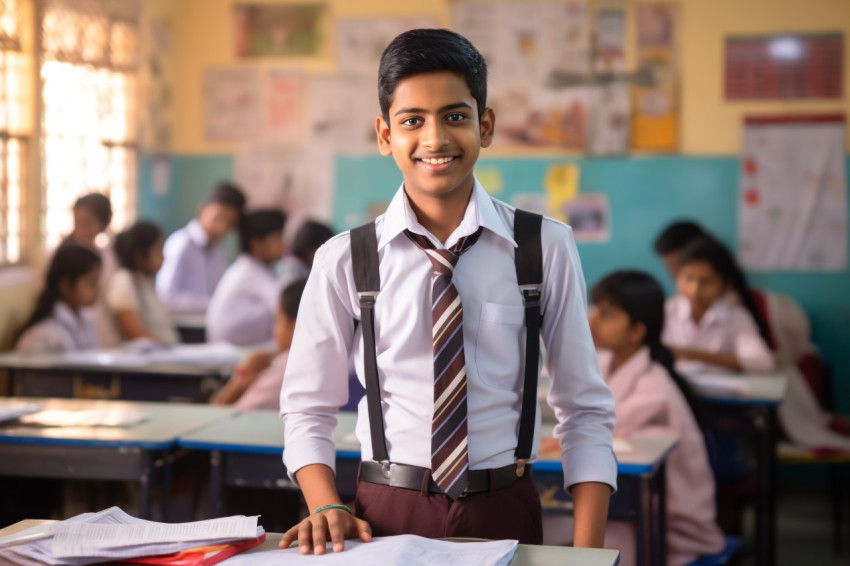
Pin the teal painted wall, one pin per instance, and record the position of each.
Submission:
(645, 194)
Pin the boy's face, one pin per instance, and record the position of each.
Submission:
(434, 134)
(217, 219)
(269, 248)
(86, 226)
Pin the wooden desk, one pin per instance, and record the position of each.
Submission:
(114, 374)
(134, 453)
(641, 490)
(749, 404)
(526, 555)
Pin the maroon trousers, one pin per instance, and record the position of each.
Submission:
(510, 513)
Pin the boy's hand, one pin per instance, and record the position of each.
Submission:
(312, 532)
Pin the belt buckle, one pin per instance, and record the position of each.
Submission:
(464, 493)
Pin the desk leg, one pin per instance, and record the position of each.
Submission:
(661, 516)
(643, 523)
(168, 458)
(145, 492)
(766, 487)
(217, 482)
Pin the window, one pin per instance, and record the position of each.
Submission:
(88, 72)
(15, 108)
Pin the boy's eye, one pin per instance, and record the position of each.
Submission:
(455, 117)
(410, 122)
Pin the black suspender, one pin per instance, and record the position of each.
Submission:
(367, 279)
(529, 270)
(529, 274)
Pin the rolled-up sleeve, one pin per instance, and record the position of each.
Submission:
(579, 397)
(315, 385)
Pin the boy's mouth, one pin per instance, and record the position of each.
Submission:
(437, 160)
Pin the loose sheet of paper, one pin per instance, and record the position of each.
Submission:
(409, 550)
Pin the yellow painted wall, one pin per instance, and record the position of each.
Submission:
(204, 38)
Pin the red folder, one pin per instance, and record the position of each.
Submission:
(200, 556)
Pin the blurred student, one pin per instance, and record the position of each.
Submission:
(256, 385)
(194, 262)
(713, 322)
(626, 320)
(673, 239)
(242, 308)
(62, 320)
(131, 294)
(92, 216)
(298, 262)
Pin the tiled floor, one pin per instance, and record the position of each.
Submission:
(804, 530)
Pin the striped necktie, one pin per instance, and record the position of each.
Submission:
(449, 456)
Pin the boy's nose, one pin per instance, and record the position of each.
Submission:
(434, 136)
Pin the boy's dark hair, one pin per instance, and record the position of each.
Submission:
(642, 299)
(225, 192)
(136, 240)
(259, 224)
(290, 298)
(722, 261)
(677, 235)
(98, 205)
(309, 238)
(427, 51)
(70, 262)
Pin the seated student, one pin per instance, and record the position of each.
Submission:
(242, 309)
(673, 239)
(256, 385)
(194, 262)
(63, 320)
(131, 295)
(92, 215)
(712, 323)
(626, 320)
(309, 238)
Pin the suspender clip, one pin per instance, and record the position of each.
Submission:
(530, 295)
(385, 468)
(367, 298)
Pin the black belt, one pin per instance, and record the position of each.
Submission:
(410, 477)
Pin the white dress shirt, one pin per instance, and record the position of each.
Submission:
(63, 331)
(725, 328)
(494, 336)
(242, 309)
(648, 401)
(132, 291)
(191, 270)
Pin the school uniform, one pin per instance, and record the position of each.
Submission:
(242, 308)
(494, 344)
(649, 401)
(264, 393)
(192, 268)
(726, 327)
(129, 290)
(63, 331)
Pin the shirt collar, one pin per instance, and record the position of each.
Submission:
(67, 317)
(197, 233)
(480, 212)
(718, 312)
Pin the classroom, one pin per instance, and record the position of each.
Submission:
(192, 194)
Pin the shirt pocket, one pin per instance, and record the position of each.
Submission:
(500, 344)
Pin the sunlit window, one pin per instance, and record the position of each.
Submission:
(89, 88)
(14, 126)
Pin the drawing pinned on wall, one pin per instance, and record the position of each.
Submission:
(275, 30)
(561, 185)
(161, 174)
(282, 103)
(342, 113)
(655, 117)
(231, 104)
(360, 42)
(610, 103)
(589, 215)
(793, 194)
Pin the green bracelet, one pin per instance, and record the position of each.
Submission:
(326, 507)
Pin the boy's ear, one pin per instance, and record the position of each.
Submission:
(382, 128)
(488, 126)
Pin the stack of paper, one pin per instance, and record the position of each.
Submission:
(13, 408)
(112, 535)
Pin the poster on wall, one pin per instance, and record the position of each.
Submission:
(793, 194)
(278, 30)
(231, 104)
(609, 102)
(342, 113)
(524, 43)
(360, 42)
(655, 114)
(282, 102)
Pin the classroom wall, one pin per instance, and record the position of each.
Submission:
(645, 191)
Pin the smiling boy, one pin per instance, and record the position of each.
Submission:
(449, 338)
